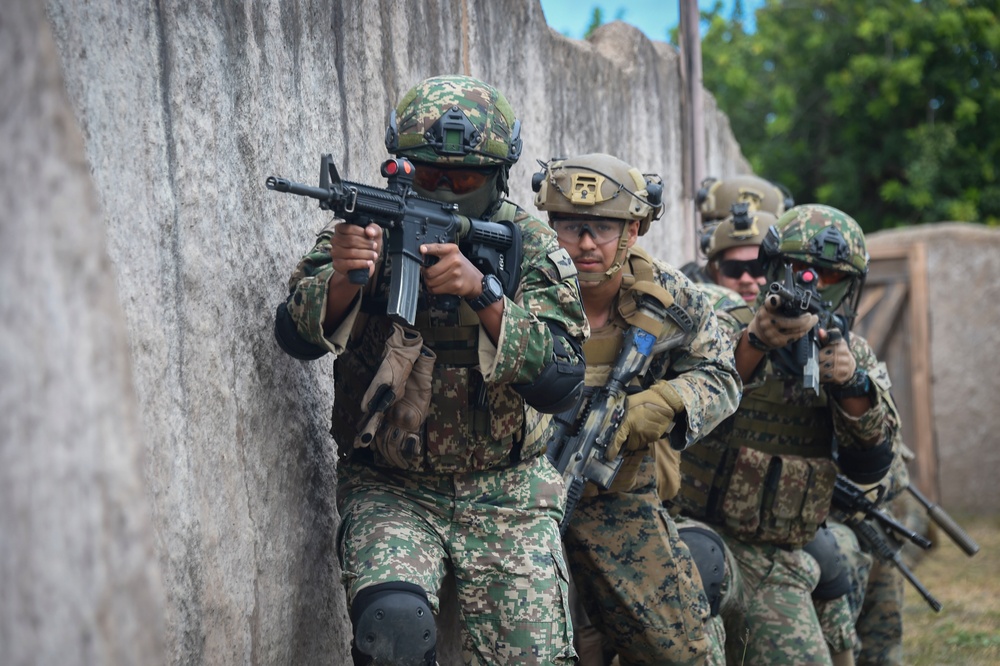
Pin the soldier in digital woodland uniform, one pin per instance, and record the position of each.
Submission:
(765, 477)
(635, 576)
(860, 605)
(454, 477)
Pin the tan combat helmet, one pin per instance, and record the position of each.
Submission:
(742, 228)
(599, 185)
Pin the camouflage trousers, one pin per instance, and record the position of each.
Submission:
(839, 616)
(497, 530)
(880, 625)
(782, 626)
(636, 579)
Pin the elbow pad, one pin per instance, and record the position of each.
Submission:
(866, 466)
(287, 335)
(559, 384)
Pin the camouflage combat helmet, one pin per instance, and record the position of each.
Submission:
(600, 185)
(742, 228)
(715, 198)
(455, 120)
(825, 238)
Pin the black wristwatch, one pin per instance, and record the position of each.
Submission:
(492, 292)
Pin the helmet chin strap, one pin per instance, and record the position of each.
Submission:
(616, 265)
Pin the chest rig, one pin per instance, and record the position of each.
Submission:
(767, 472)
(470, 425)
(602, 348)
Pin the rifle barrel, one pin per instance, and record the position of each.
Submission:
(945, 522)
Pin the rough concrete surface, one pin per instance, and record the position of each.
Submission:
(169, 479)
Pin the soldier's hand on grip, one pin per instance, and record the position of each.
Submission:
(774, 330)
(837, 364)
(648, 416)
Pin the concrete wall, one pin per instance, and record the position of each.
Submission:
(169, 483)
(963, 262)
(79, 581)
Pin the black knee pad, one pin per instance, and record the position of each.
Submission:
(393, 624)
(833, 580)
(709, 555)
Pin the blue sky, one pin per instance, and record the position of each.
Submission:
(653, 17)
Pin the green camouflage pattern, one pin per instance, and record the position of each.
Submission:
(634, 575)
(782, 628)
(839, 617)
(485, 107)
(800, 226)
(467, 436)
(880, 624)
(784, 625)
(497, 531)
(636, 579)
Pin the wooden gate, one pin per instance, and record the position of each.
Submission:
(893, 316)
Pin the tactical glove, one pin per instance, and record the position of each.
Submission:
(770, 329)
(648, 415)
(836, 362)
(401, 443)
(401, 350)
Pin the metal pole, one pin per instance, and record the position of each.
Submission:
(690, 40)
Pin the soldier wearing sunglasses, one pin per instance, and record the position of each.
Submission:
(765, 477)
(450, 475)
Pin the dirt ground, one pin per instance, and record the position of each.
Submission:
(967, 630)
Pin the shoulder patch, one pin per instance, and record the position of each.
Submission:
(880, 375)
(564, 265)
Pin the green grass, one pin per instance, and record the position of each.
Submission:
(967, 630)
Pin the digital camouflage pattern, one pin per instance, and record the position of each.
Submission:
(839, 616)
(634, 575)
(782, 628)
(785, 628)
(496, 141)
(478, 499)
(498, 531)
(459, 442)
(802, 229)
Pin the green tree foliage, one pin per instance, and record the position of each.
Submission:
(886, 110)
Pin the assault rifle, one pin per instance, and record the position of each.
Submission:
(799, 295)
(877, 530)
(410, 221)
(578, 446)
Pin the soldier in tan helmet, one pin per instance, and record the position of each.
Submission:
(715, 200)
(636, 577)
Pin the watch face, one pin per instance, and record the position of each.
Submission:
(492, 286)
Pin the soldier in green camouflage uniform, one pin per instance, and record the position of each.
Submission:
(736, 243)
(449, 476)
(636, 578)
(765, 477)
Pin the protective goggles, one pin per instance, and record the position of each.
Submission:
(734, 269)
(458, 180)
(827, 276)
(602, 231)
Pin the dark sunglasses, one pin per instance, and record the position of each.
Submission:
(733, 268)
(459, 181)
